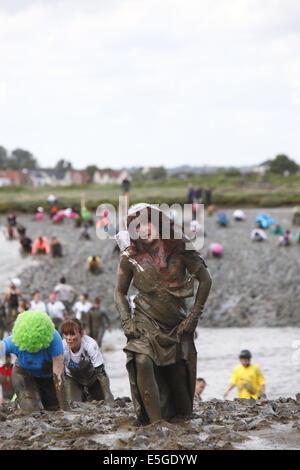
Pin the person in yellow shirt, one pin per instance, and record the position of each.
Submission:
(247, 378)
(94, 265)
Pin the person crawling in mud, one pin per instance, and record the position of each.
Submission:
(93, 265)
(56, 248)
(37, 374)
(83, 364)
(161, 355)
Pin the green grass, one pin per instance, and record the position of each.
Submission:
(228, 191)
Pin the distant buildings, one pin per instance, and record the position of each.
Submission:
(110, 176)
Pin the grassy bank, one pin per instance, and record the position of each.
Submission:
(228, 191)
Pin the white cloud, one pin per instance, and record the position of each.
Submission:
(141, 81)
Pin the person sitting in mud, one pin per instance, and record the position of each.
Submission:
(56, 248)
(215, 250)
(222, 219)
(277, 230)
(85, 232)
(26, 245)
(258, 235)
(97, 322)
(247, 378)
(36, 302)
(93, 265)
(286, 239)
(5, 378)
(161, 355)
(83, 364)
(11, 224)
(56, 311)
(41, 246)
(21, 230)
(37, 374)
(200, 386)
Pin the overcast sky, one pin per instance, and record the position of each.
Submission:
(150, 82)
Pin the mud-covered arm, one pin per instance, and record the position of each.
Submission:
(58, 369)
(197, 267)
(125, 275)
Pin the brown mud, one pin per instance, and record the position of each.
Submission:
(254, 284)
(214, 425)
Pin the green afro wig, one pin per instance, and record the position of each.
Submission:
(33, 331)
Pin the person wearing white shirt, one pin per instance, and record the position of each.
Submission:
(81, 309)
(56, 311)
(83, 364)
(36, 303)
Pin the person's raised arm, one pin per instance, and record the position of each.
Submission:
(58, 369)
(125, 274)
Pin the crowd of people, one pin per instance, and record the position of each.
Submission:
(57, 341)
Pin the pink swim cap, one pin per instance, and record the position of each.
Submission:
(52, 296)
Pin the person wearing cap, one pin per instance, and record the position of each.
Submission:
(215, 250)
(247, 377)
(161, 355)
(56, 311)
(37, 374)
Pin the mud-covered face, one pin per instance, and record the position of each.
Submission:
(73, 340)
(148, 232)
(200, 386)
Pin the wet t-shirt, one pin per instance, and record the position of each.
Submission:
(248, 381)
(89, 352)
(39, 363)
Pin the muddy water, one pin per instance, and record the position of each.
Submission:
(275, 350)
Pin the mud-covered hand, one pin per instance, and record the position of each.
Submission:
(130, 329)
(188, 325)
(104, 382)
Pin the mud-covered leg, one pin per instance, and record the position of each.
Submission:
(147, 386)
(26, 389)
(178, 381)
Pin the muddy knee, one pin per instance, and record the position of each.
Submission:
(143, 363)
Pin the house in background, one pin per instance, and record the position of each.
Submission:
(14, 177)
(262, 168)
(110, 176)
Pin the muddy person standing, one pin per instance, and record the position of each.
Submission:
(161, 355)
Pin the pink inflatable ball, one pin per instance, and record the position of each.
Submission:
(39, 216)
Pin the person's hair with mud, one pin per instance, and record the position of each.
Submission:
(171, 245)
(71, 327)
(97, 301)
(62, 280)
(85, 295)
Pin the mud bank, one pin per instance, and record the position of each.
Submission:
(254, 284)
(215, 425)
